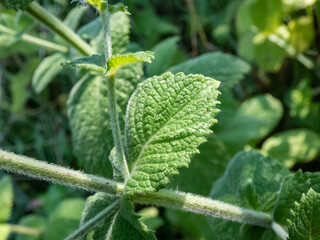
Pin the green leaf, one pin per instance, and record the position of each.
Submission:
(89, 118)
(305, 218)
(294, 5)
(301, 33)
(210, 163)
(32, 221)
(93, 63)
(168, 117)
(220, 66)
(64, 220)
(250, 181)
(254, 119)
(150, 217)
(16, 4)
(118, 7)
(120, 30)
(164, 53)
(292, 189)
(122, 219)
(47, 71)
(6, 198)
(118, 61)
(4, 231)
(293, 146)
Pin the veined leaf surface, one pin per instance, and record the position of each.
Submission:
(168, 117)
(305, 218)
(123, 223)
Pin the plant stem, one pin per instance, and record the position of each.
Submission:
(24, 230)
(165, 198)
(205, 206)
(35, 10)
(105, 15)
(35, 40)
(93, 222)
(114, 118)
(42, 170)
(116, 132)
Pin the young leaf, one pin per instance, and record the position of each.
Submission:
(251, 181)
(89, 117)
(94, 63)
(220, 66)
(47, 71)
(305, 218)
(122, 224)
(168, 117)
(292, 189)
(6, 199)
(118, 7)
(118, 61)
(292, 146)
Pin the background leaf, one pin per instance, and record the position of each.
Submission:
(64, 219)
(6, 199)
(47, 71)
(293, 146)
(251, 181)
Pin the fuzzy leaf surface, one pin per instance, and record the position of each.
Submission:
(122, 224)
(250, 181)
(292, 189)
(167, 119)
(89, 117)
(305, 218)
(118, 61)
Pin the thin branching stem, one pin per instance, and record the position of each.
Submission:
(114, 118)
(34, 40)
(53, 23)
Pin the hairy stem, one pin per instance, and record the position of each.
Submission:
(165, 198)
(42, 170)
(114, 118)
(116, 131)
(93, 222)
(105, 15)
(35, 10)
(34, 40)
(205, 206)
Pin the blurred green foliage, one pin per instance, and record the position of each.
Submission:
(266, 53)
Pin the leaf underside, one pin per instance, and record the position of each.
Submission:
(168, 117)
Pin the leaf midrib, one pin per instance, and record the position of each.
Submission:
(151, 138)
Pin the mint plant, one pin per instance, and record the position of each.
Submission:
(156, 129)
